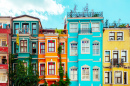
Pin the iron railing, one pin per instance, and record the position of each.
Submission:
(22, 31)
(117, 62)
(85, 31)
(116, 25)
(84, 14)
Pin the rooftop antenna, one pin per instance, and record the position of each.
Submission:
(85, 9)
(75, 8)
(119, 20)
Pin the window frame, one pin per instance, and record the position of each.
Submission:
(41, 70)
(85, 66)
(120, 36)
(96, 48)
(17, 28)
(73, 68)
(33, 28)
(126, 77)
(51, 47)
(71, 49)
(118, 77)
(34, 48)
(111, 36)
(126, 57)
(6, 76)
(98, 74)
(70, 27)
(85, 47)
(42, 49)
(107, 56)
(95, 27)
(23, 46)
(62, 48)
(35, 67)
(51, 63)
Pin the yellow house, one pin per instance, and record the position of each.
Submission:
(116, 61)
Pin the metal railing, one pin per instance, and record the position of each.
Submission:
(116, 25)
(85, 31)
(22, 31)
(84, 14)
(117, 62)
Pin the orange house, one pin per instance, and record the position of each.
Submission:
(48, 58)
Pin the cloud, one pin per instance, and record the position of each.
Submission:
(37, 8)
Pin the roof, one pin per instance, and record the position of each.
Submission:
(26, 16)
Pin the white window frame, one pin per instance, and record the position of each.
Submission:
(73, 42)
(118, 55)
(98, 73)
(89, 73)
(110, 56)
(126, 55)
(73, 74)
(110, 74)
(109, 36)
(122, 35)
(94, 27)
(122, 77)
(39, 67)
(70, 27)
(4, 75)
(85, 39)
(95, 48)
(55, 67)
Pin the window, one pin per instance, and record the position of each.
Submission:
(34, 68)
(115, 57)
(42, 69)
(108, 77)
(25, 65)
(124, 56)
(34, 28)
(16, 28)
(73, 73)
(95, 27)
(62, 47)
(95, 74)
(96, 48)
(51, 46)
(42, 48)
(107, 56)
(118, 77)
(23, 46)
(112, 36)
(15, 48)
(4, 25)
(3, 76)
(85, 46)
(15, 67)
(3, 42)
(3, 60)
(0, 25)
(85, 73)
(25, 28)
(125, 77)
(33, 47)
(73, 49)
(51, 68)
(74, 27)
(119, 35)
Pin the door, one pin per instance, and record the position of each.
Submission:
(115, 57)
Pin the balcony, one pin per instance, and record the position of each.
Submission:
(85, 31)
(84, 14)
(22, 31)
(117, 62)
(116, 25)
(53, 31)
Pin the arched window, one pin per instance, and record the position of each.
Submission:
(96, 48)
(85, 72)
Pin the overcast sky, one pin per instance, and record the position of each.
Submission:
(52, 12)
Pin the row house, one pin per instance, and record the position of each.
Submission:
(25, 29)
(85, 32)
(5, 48)
(116, 61)
(48, 58)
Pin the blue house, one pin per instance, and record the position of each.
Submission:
(26, 29)
(85, 32)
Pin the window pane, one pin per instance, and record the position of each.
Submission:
(52, 66)
(34, 31)
(49, 66)
(111, 34)
(49, 49)
(49, 44)
(52, 71)
(52, 44)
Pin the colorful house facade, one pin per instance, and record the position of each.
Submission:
(116, 61)
(5, 49)
(85, 32)
(25, 30)
(48, 58)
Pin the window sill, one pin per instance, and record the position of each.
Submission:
(85, 80)
(85, 53)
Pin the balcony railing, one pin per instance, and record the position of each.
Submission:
(84, 14)
(85, 31)
(22, 31)
(116, 25)
(52, 31)
(117, 62)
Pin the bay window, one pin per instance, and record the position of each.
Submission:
(51, 45)
(85, 46)
(23, 45)
(73, 49)
(74, 27)
(96, 48)
(51, 68)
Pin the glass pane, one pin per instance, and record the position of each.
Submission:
(50, 49)
(83, 50)
(107, 53)
(115, 56)
(34, 31)
(111, 34)
(52, 71)
(49, 66)
(34, 26)
(49, 44)
(52, 66)
(52, 44)
(21, 43)
(71, 76)
(123, 53)
(49, 71)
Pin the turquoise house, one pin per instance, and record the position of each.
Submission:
(85, 32)
(27, 28)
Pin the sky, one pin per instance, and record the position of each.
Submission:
(52, 12)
